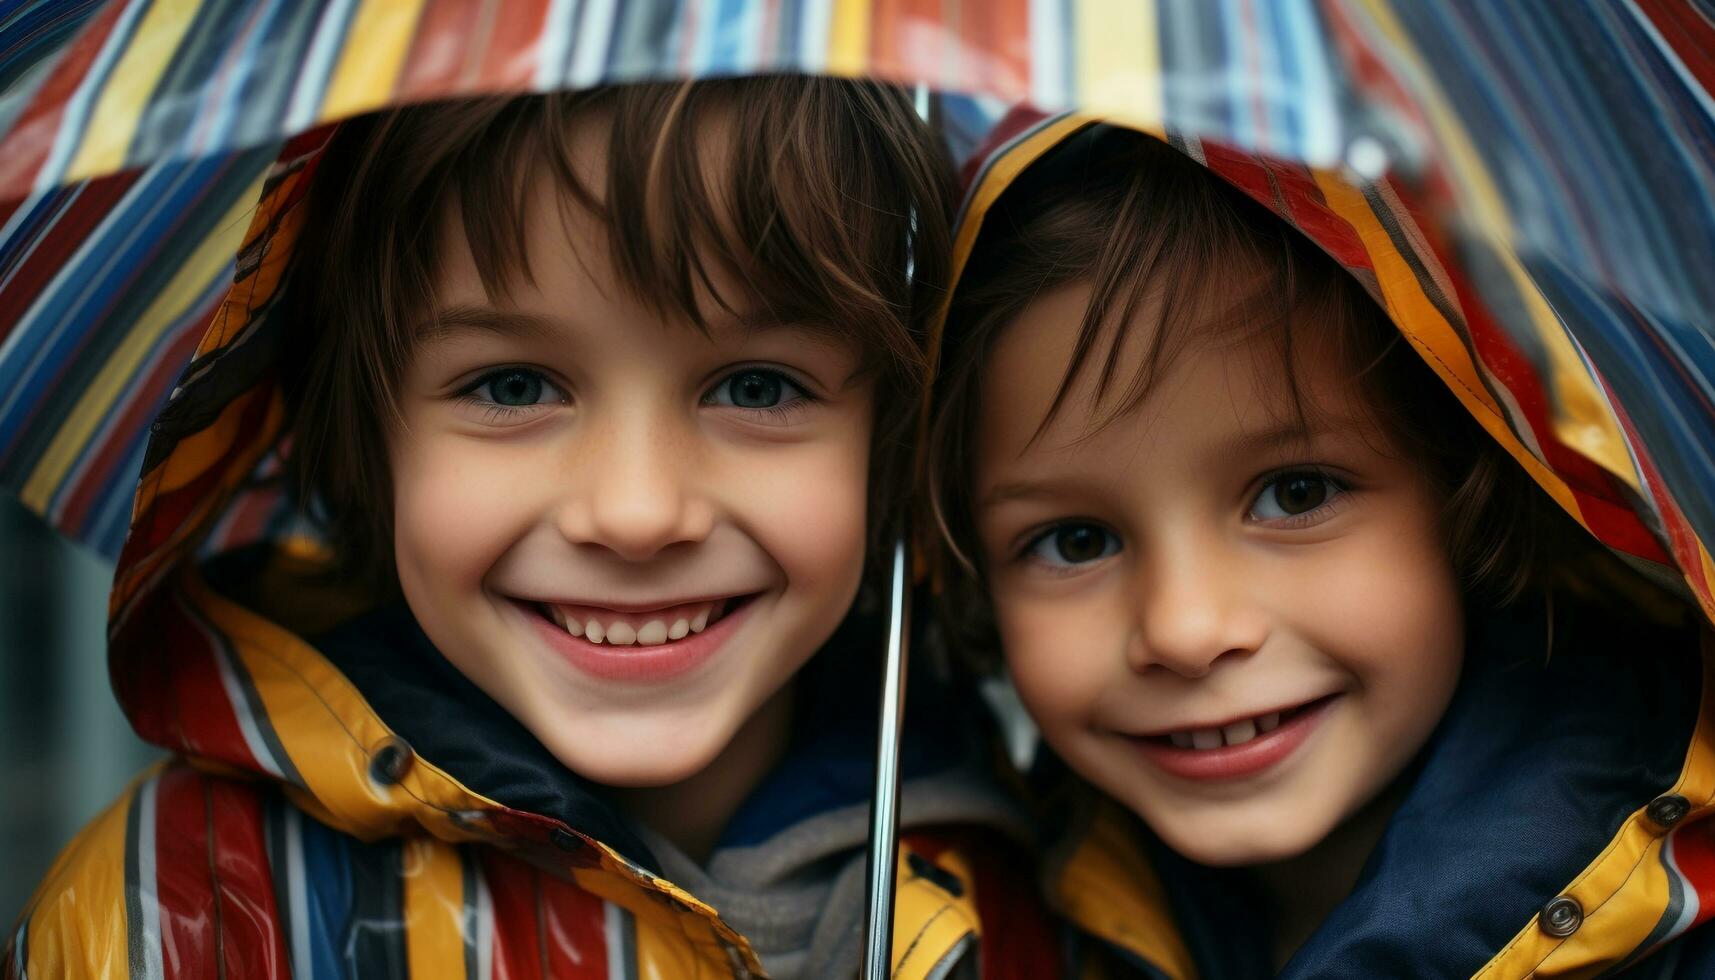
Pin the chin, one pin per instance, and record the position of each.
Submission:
(655, 764)
(1241, 845)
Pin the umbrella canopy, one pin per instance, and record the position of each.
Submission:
(1557, 154)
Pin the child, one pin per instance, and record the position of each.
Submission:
(600, 399)
(1348, 695)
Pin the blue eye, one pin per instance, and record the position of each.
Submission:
(512, 388)
(1070, 545)
(757, 389)
(1291, 495)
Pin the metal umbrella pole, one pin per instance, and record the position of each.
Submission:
(884, 811)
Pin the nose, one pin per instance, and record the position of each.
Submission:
(1194, 607)
(639, 493)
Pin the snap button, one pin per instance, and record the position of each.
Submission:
(943, 879)
(565, 840)
(1665, 811)
(1561, 917)
(390, 761)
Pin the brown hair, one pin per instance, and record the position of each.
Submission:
(1146, 225)
(827, 194)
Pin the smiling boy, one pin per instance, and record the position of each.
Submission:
(599, 401)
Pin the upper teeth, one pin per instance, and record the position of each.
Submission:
(623, 631)
(1238, 733)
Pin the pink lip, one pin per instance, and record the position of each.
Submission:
(639, 663)
(1236, 761)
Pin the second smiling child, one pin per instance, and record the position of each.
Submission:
(1332, 686)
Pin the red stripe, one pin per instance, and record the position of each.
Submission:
(514, 44)
(1694, 855)
(1018, 941)
(26, 148)
(56, 244)
(1680, 536)
(1308, 209)
(183, 876)
(1604, 506)
(438, 52)
(249, 919)
(512, 889)
(996, 52)
(574, 930)
(170, 684)
(1690, 36)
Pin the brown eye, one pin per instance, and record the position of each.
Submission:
(1300, 493)
(1292, 495)
(1074, 544)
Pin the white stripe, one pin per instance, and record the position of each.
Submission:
(21, 949)
(95, 248)
(595, 33)
(297, 895)
(235, 693)
(748, 24)
(148, 890)
(77, 108)
(484, 928)
(816, 18)
(702, 13)
(1671, 56)
(313, 75)
(1688, 913)
(1048, 36)
(244, 67)
(1321, 119)
(613, 930)
(555, 44)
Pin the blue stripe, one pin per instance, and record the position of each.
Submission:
(328, 901)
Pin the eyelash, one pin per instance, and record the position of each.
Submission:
(494, 412)
(1310, 518)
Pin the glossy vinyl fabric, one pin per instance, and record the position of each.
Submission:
(151, 155)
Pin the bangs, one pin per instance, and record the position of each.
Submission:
(824, 202)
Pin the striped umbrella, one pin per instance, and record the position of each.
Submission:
(1556, 156)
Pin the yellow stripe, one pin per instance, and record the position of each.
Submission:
(1119, 61)
(113, 124)
(434, 909)
(1109, 889)
(375, 50)
(192, 280)
(848, 37)
(329, 731)
(1581, 417)
(1433, 337)
(928, 922)
(77, 917)
(1625, 889)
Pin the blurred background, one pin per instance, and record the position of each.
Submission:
(65, 749)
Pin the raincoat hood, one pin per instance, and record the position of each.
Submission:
(1557, 822)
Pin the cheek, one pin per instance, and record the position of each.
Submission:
(1392, 611)
(1062, 654)
(455, 508)
(807, 507)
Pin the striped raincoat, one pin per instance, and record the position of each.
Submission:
(294, 832)
(1561, 822)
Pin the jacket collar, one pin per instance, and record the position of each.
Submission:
(1529, 792)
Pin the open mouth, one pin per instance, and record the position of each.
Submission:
(647, 628)
(1235, 733)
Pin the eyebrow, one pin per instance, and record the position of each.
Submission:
(1246, 444)
(482, 319)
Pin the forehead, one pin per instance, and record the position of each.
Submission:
(1229, 388)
